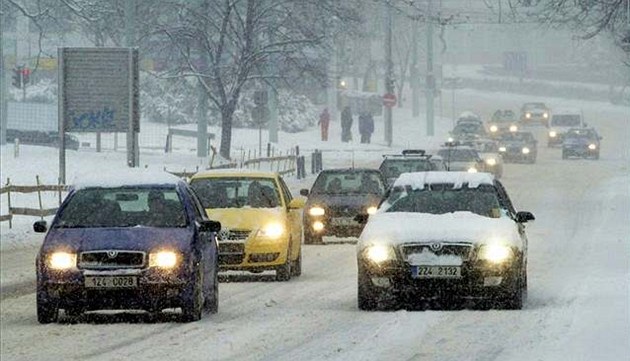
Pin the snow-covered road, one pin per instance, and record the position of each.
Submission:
(578, 306)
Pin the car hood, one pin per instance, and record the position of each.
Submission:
(351, 200)
(513, 143)
(125, 238)
(396, 228)
(246, 218)
(579, 141)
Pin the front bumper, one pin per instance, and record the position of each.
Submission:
(580, 151)
(253, 254)
(345, 226)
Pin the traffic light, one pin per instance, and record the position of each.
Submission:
(17, 77)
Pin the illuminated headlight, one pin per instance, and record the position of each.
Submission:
(525, 150)
(163, 259)
(553, 134)
(272, 230)
(502, 149)
(450, 139)
(62, 260)
(528, 115)
(494, 128)
(472, 170)
(379, 253)
(495, 253)
(592, 146)
(316, 211)
(545, 115)
(513, 128)
(491, 161)
(318, 226)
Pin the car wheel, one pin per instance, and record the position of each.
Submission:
(296, 268)
(47, 311)
(310, 238)
(193, 303)
(212, 302)
(516, 294)
(283, 273)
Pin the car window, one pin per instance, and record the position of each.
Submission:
(236, 192)
(458, 155)
(349, 182)
(123, 207)
(200, 212)
(504, 199)
(285, 190)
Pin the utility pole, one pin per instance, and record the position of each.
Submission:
(415, 76)
(389, 81)
(133, 151)
(202, 97)
(272, 97)
(3, 91)
(331, 91)
(430, 81)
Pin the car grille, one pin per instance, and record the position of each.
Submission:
(463, 250)
(109, 259)
(344, 211)
(231, 252)
(233, 235)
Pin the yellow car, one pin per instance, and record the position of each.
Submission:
(261, 222)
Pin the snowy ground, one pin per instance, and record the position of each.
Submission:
(579, 271)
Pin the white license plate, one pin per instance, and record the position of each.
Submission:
(343, 221)
(436, 272)
(111, 282)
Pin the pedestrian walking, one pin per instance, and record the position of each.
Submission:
(346, 124)
(366, 126)
(324, 122)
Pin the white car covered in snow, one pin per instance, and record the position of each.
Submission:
(443, 236)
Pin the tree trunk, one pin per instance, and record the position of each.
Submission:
(227, 114)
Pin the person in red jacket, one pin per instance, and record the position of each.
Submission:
(324, 122)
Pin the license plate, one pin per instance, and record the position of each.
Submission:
(343, 221)
(436, 272)
(111, 282)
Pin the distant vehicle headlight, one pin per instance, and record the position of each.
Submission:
(545, 115)
(592, 146)
(450, 139)
(502, 149)
(318, 226)
(494, 128)
(163, 259)
(472, 170)
(553, 134)
(62, 260)
(380, 253)
(271, 230)
(513, 128)
(525, 150)
(495, 253)
(491, 161)
(371, 210)
(316, 211)
(528, 115)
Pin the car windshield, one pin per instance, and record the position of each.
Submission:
(443, 198)
(533, 106)
(122, 207)
(517, 137)
(236, 192)
(392, 167)
(458, 155)
(360, 182)
(565, 120)
(465, 128)
(581, 133)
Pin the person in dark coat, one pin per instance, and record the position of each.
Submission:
(346, 124)
(324, 122)
(366, 126)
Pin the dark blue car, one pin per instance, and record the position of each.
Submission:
(581, 142)
(140, 241)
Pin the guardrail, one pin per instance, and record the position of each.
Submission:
(26, 211)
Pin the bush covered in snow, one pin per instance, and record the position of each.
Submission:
(44, 91)
(169, 101)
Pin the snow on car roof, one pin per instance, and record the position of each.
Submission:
(125, 177)
(468, 114)
(418, 180)
(567, 111)
(406, 227)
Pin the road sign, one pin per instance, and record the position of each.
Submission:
(389, 100)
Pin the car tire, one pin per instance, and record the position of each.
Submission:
(212, 301)
(192, 306)
(310, 238)
(296, 268)
(283, 273)
(47, 311)
(516, 295)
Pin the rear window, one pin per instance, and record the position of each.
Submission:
(392, 168)
(458, 155)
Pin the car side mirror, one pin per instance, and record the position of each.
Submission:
(297, 203)
(209, 226)
(523, 217)
(362, 218)
(304, 192)
(40, 227)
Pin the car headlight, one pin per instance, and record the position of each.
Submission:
(371, 210)
(525, 150)
(528, 115)
(553, 134)
(495, 253)
(491, 161)
(163, 259)
(592, 146)
(513, 128)
(271, 230)
(316, 211)
(380, 253)
(502, 149)
(62, 260)
(494, 128)
(545, 115)
(450, 139)
(472, 170)
(318, 226)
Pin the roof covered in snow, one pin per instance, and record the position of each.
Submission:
(418, 180)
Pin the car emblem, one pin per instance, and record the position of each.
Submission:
(224, 234)
(435, 246)
(112, 254)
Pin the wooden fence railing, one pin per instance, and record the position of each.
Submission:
(27, 211)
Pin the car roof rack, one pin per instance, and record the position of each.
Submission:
(413, 151)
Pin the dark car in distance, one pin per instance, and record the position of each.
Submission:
(139, 242)
(518, 147)
(409, 160)
(581, 142)
(336, 198)
(37, 137)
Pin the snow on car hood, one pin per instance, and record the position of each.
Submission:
(395, 228)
